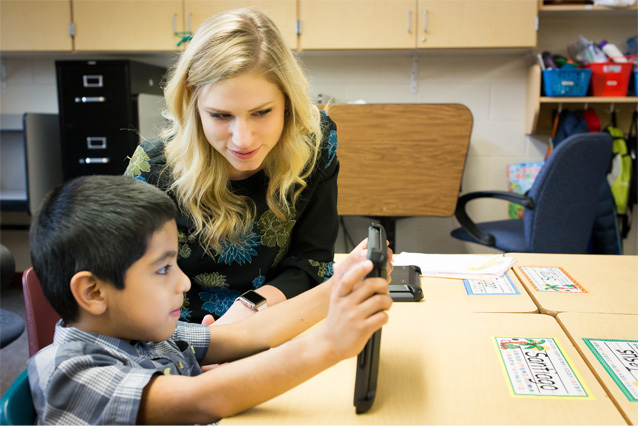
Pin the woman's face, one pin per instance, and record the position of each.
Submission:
(243, 118)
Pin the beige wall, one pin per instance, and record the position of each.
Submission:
(491, 83)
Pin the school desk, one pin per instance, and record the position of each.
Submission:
(594, 336)
(441, 369)
(608, 284)
(453, 295)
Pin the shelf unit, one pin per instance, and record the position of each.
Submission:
(577, 8)
(540, 110)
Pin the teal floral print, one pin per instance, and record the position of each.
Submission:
(240, 253)
(259, 281)
(216, 296)
(332, 147)
(218, 300)
(185, 313)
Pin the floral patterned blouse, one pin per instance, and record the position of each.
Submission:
(292, 255)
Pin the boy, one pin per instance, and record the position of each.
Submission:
(105, 251)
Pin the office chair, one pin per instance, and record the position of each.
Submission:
(560, 207)
(16, 405)
(41, 317)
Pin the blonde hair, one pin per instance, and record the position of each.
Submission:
(227, 45)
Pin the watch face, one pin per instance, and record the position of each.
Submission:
(254, 298)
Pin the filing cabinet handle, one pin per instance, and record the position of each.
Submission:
(92, 81)
(409, 20)
(90, 99)
(96, 142)
(94, 160)
(425, 20)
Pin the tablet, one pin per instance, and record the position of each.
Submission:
(365, 385)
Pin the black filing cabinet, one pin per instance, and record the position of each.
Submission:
(99, 114)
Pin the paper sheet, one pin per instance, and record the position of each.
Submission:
(462, 266)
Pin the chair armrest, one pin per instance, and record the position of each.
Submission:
(461, 215)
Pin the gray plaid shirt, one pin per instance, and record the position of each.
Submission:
(88, 378)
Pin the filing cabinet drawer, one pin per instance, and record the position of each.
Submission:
(91, 150)
(92, 94)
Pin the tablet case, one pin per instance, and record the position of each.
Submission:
(365, 385)
(406, 284)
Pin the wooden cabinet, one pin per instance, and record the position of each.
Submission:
(36, 26)
(476, 23)
(409, 24)
(282, 12)
(127, 26)
(596, 23)
(357, 24)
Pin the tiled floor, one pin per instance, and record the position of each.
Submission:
(13, 357)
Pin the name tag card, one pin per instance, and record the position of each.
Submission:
(550, 279)
(620, 359)
(495, 286)
(538, 367)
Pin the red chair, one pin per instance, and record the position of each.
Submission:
(41, 317)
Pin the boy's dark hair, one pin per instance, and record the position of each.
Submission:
(100, 224)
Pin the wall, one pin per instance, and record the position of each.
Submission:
(492, 84)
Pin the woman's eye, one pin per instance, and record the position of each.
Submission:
(218, 116)
(263, 112)
(164, 270)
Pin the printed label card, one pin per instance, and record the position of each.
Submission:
(620, 359)
(538, 367)
(550, 279)
(495, 286)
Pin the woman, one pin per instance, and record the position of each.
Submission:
(252, 165)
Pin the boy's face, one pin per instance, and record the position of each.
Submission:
(148, 307)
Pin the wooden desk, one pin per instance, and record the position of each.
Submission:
(603, 326)
(401, 159)
(450, 295)
(611, 283)
(439, 369)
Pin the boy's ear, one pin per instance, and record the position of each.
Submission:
(89, 292)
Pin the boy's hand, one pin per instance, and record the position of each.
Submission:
(359, 253)
(357, 309)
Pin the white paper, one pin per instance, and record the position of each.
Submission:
(462, 266)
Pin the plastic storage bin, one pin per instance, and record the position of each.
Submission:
(566, 82)
(610, 78)
(634, 92)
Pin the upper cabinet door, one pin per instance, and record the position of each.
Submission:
(282, 12)
(127, 26)
(357, 24)
(35, 26)
(476, 23)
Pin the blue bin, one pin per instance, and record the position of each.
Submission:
(566, 82)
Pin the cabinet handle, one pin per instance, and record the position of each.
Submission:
(94, 160)
(189, 22)
(96, 142)
(92, 81)
(174, 23)
(425, 20)
(90, 99)
(409, 20)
